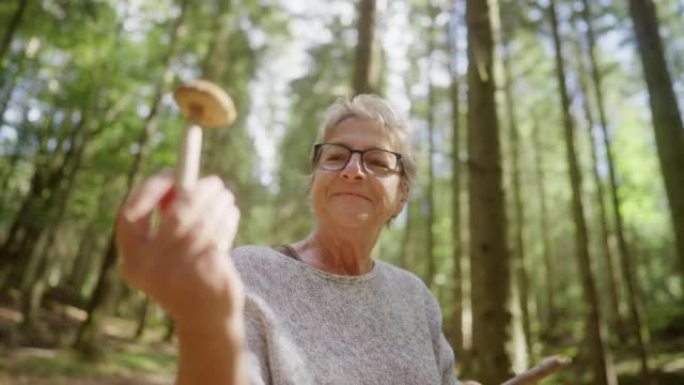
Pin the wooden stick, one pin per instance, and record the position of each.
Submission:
(547, 367)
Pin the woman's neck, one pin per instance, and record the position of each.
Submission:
(337, 253)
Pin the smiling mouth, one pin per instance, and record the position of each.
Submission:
(349, 194)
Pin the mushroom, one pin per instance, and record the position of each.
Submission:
(204, 105)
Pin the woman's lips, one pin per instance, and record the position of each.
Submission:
(352, 194)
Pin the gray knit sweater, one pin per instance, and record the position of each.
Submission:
(305, 326)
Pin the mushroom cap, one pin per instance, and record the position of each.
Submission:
(205, 104)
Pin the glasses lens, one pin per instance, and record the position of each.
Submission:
(333, 157)
(379, 161)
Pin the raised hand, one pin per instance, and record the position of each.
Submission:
(183, 264)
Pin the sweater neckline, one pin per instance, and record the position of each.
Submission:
(293, 257)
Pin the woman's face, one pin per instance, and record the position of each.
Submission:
(352, 197)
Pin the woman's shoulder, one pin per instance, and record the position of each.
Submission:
(258, 259)
(402, 277)
(252, 252)
(412, 289)
(263, 269)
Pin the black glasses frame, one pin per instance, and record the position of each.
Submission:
(317, 153)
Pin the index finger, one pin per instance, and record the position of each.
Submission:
(144, 198)
(132, 224)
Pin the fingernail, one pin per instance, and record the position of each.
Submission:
(167, 199)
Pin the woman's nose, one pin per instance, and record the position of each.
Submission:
(354, 167)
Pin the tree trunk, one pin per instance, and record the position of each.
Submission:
(456, 238)
(11, 30)
(25, 230)
(519, 261)
(170, 328)
(667, 121)
(364, 81)
(599, 355)
(84, 261)
(490, 264)
(215, 63)
(32, 291)
(87, 334)
(44, 204)
(143, 315)
(549, 271)
(430, 199)
(604, 235)
(641, 330)
(626, 259)
(216, 67)
(8, 248)
(59, 197)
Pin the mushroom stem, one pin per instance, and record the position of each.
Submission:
(187, 171)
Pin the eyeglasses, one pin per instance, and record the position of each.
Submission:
(335, 157)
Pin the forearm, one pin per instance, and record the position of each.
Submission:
(211, 356)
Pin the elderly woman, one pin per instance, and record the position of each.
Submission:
(318, 311)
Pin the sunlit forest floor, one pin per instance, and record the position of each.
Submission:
(42, 356)
(667, 363)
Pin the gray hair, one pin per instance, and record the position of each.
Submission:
(374, 108)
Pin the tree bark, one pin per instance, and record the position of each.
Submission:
(604, 232)
(215, 61)
(84, 261)
(25, 232)
(456, 238)
(170, 328)
(626, 258)
(34, 289)
(363, 63)
(430, 199)
(549, 271)
(599, 355)
(143, 315)
(665, 113)
(519, 260)
(490, 264)
(216, 66)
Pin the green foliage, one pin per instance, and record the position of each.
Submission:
(60, 365)
(144, 361)
(101, 61)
